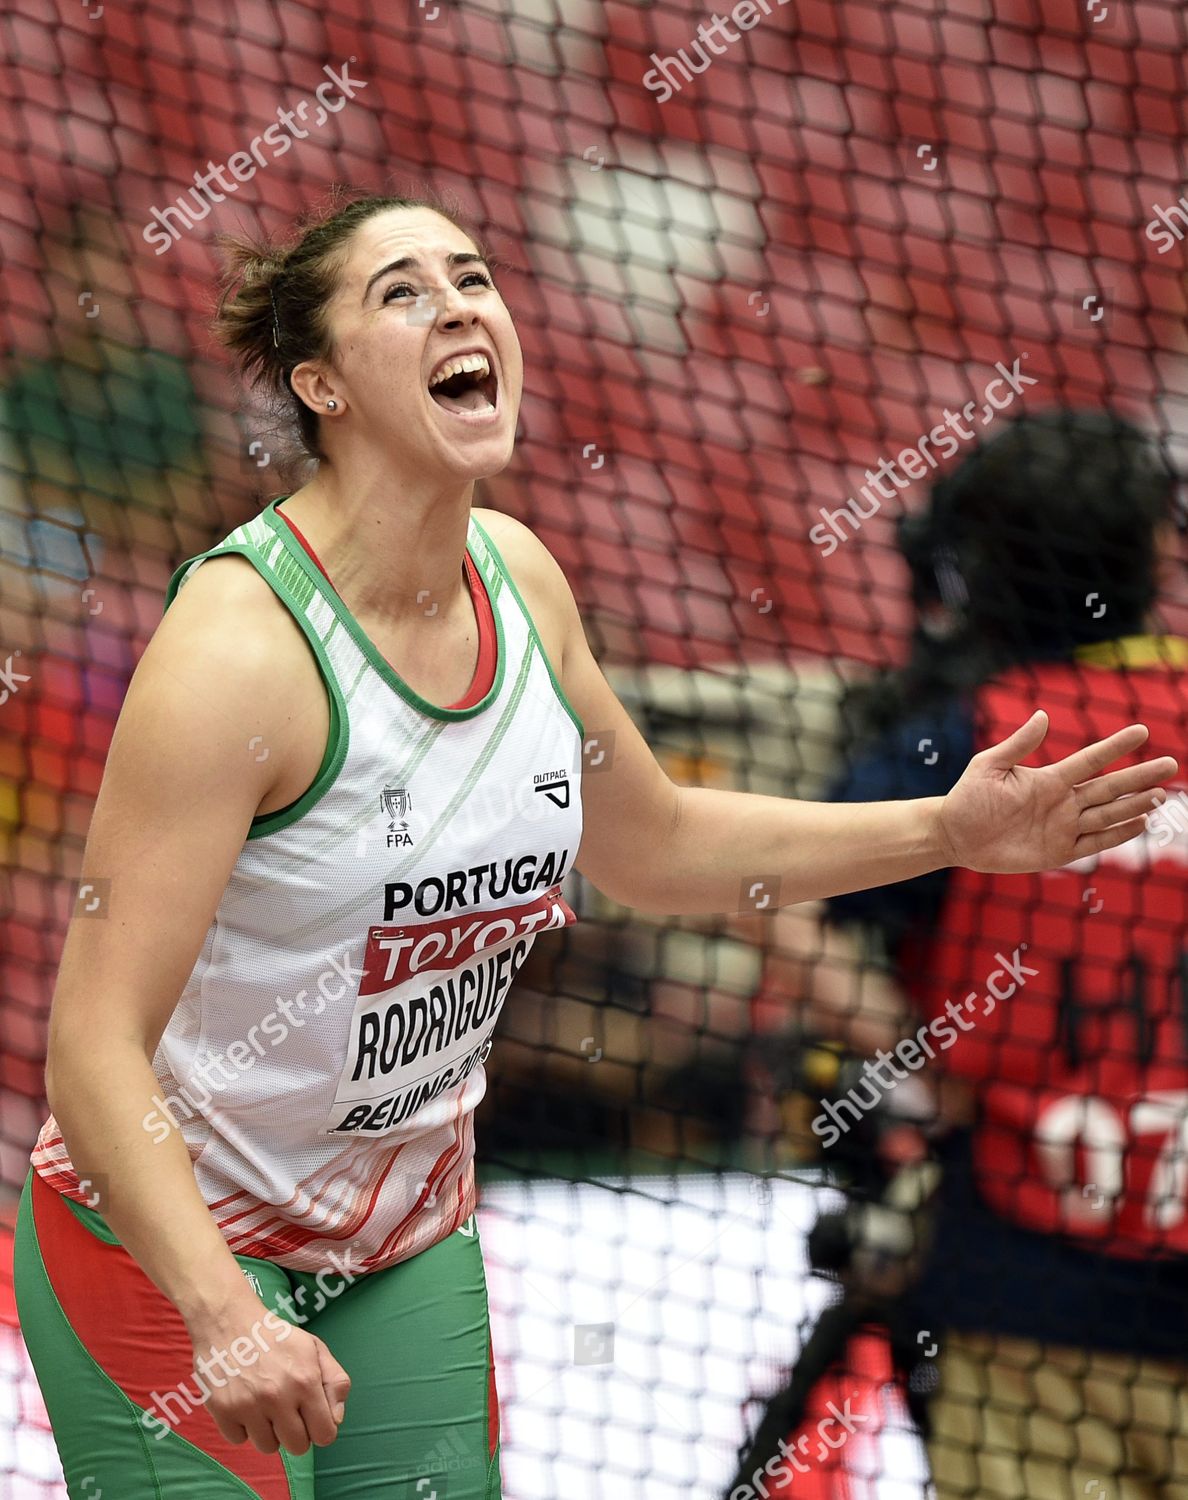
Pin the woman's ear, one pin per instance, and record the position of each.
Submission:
(312, 386)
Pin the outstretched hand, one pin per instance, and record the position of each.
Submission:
(1004, 818)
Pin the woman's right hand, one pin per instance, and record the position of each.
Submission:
(270, 1383)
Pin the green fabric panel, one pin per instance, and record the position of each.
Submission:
(414, 1339)
(295, 579)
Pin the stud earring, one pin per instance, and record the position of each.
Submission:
(331, 405)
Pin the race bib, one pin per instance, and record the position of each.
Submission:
(428, 1001)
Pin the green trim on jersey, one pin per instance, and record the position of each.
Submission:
(532, 630)
(338, 738)
(397, 683)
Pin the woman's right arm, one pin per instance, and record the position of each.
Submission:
(184, 777)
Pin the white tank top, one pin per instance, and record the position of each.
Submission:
(326, 1056)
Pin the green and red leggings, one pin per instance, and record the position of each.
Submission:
(113, 1359)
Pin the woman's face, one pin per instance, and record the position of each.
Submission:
(413, 296)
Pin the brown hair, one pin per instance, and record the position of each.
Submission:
(272, 309)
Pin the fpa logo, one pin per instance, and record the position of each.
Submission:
(396, 802)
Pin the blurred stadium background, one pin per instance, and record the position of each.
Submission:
(731, 304)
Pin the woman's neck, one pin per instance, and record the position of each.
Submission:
(387, 550)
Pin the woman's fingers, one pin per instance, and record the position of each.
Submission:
(1104, 815)
(234, 1432)
(261, 1434)
(291, 1399)
(318, 1415)
(1108, 838)
(335, 1381)
(1143, 777)
(1083, 765)
(1020, 744)
(292, 1428)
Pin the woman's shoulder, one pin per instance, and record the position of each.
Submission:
(511, 537)
(220, 677)
(534, 569)
(225, 614)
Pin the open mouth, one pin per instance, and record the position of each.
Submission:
(465, 385)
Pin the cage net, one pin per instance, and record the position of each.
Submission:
(774, 279)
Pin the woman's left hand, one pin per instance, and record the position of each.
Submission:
(1005, 818)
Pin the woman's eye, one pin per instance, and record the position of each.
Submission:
(470, 276)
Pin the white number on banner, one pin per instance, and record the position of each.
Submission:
(1098, 1129)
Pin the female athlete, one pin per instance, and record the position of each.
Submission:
(344, 790)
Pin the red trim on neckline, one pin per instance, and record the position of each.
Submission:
(484, 667)
(292, 525)
(488, 647)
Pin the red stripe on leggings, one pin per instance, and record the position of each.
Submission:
(492, 1402)
(136, 1335)
(8, 1312)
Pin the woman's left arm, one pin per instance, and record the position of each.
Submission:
(676, 850)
